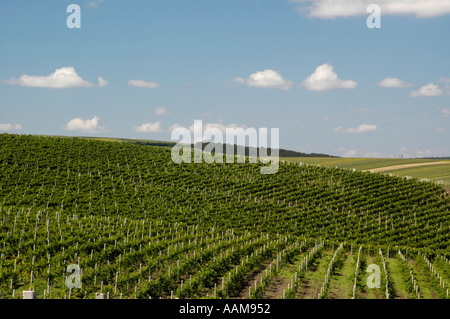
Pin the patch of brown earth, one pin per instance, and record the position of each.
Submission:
(250, 278)
(276, 287)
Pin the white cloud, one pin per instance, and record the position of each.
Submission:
(350, 153)
(425, 153)
(429, 89)
(444, 111)
(94, 4)
(440, 130)
(445, 80)
(175, 126)
(85, 126)
(363, 128)
(265, 79)
(324, 78)
(143, 84)
(362, 110)
(218, 125)
(330, 9)
(62, 78)
(102, 82)
(238, 80)
(149, 128)
(373, 155)
(238, 129)
(161, 111)
(393, 83)
(10, 127)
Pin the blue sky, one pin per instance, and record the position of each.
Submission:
(313, 69)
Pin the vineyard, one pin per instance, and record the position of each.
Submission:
(140, 226)
(436, 170)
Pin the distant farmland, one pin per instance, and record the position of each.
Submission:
(436, 173)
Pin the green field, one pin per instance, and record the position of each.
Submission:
(139, 225)
(440, 174)
(437, 173)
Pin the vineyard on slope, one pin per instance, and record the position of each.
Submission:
(140, 226)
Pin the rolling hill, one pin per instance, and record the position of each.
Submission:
(139, 226)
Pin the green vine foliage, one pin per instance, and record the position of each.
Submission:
(126, 214)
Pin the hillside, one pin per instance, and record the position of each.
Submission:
(220, 148)
(142, 226)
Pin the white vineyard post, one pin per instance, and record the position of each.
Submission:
(99, 295)
(115, 286)
(30, 294)
(385, 272)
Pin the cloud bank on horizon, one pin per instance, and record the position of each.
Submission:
(331, 9)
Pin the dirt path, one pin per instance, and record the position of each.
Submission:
(396, 167)
(280, 282)
(250, 278)
(276, 287)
